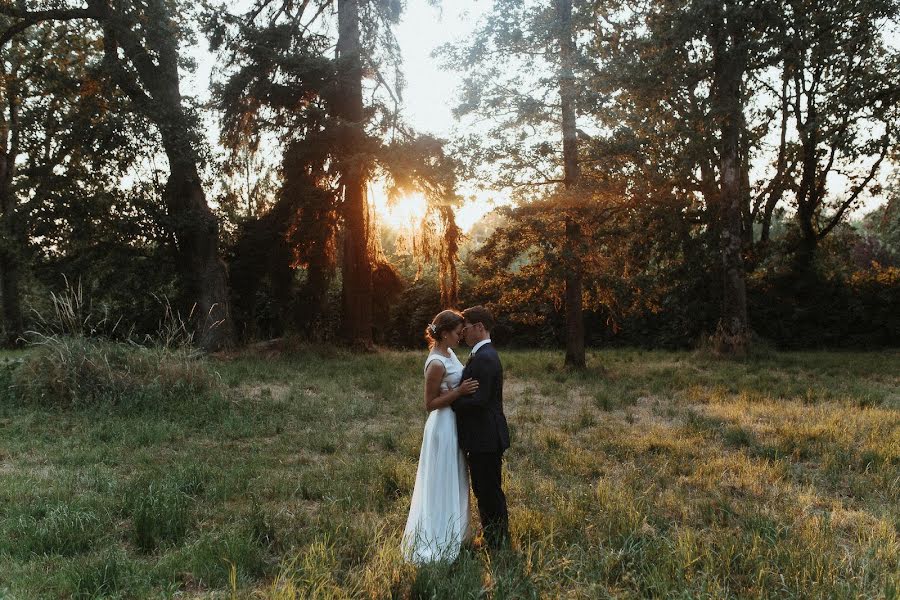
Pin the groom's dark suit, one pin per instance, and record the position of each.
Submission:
(483, 436)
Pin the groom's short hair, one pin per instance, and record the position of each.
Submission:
(479, 314)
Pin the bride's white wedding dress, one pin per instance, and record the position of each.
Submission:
(438, 520)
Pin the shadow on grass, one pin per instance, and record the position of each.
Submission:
(475, 574)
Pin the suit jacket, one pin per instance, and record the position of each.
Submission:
(480, 422)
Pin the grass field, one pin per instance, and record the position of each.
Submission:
(652, 474)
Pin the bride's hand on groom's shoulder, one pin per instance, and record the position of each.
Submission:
(467, 387)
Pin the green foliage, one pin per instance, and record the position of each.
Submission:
(511, 69)
(881, 232)
(282, 83)
(72, 366)
(827, 307)
(415, 308)
(649, 285)
(72, 137)
(117, 247)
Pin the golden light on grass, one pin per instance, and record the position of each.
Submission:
(613, 490)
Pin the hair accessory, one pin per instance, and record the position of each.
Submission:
(432, 328)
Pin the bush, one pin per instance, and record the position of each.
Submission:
(72, 372)
(826, 310)
(74, 362)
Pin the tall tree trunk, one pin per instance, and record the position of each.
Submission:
(203, 274)
(780, 180)
(571, 174)
(746, 201)
(10, 256)
(733, 331)
(808, 195)
(196, 227)
(312, 302)
(449, 254)
(204, 283)
(12, 239)
(357, 268)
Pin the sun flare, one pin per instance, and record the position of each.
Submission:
(402, 213)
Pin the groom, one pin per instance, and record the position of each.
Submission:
(481, 425)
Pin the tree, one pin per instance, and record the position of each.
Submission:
(275, 91)
(679, 74)
(571, 175)
(845, 90)
(12, 245)
(141, 52)
(730, 51)
(282, 83)
(530, 114)
(67, 135)
(348, 109)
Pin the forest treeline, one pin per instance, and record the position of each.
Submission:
(684, 172)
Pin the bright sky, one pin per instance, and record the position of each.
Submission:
(428, 97)
(430, 92)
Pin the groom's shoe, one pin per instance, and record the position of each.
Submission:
(496, 536)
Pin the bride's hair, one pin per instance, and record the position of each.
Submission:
(446, 320)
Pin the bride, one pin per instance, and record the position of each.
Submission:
(438, 520)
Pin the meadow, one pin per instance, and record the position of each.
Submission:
(288, 475)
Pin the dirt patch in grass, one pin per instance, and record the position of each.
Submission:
(262, 392)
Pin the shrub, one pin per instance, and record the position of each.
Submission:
(73, 372)
(73, 363)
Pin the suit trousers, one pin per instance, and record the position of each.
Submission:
(485, 471)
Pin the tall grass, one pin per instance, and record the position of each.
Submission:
(74, 362)
(649, 475)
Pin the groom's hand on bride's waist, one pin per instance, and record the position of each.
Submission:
(468, 386)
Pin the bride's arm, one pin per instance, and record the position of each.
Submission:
(434, 374)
